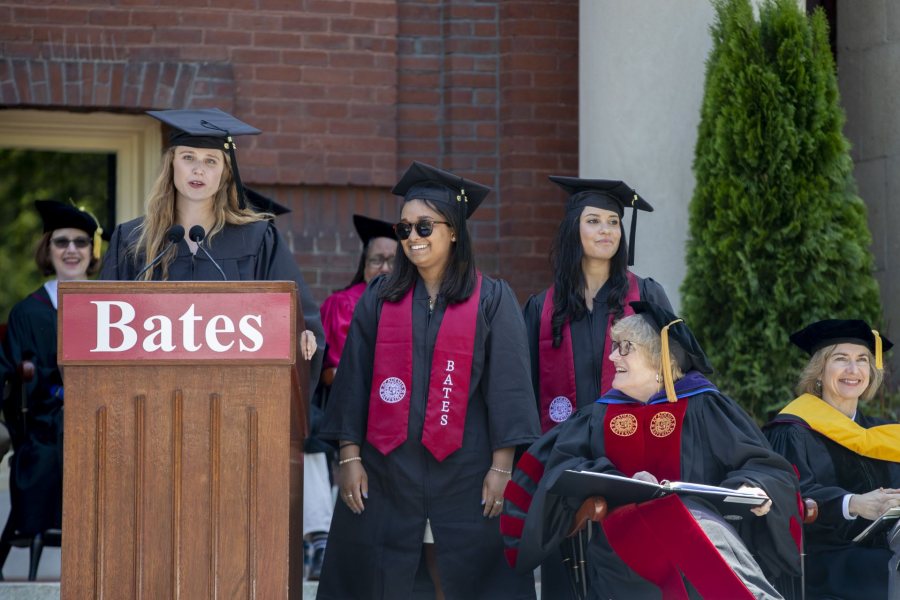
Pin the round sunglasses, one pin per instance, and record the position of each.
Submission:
(63, 242)
(424, 228)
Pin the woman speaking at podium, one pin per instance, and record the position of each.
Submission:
(663, 420)
(431, 398)
(198, 226)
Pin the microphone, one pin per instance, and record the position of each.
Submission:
(173, 235)
(196, 234)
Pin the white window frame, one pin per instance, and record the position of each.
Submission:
(135, 139)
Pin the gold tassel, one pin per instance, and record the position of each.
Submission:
(667, 361)
(879, 358)
(98, 233)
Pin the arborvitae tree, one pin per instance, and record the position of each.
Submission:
(778, 236)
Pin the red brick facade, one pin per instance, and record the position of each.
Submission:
(348, 92)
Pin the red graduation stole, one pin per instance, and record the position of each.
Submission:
(648, 438)
(448, 390)
(556, 377)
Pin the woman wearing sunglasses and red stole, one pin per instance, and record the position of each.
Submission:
(429, 404)
(69, 250)
(568, 324)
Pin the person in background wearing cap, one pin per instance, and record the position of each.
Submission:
(220, 236)
(429, 403)
(69, 250)
(662, 419)
(848, 462)
(377, 258)
(568, 324)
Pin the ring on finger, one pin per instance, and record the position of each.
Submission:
(498, 502)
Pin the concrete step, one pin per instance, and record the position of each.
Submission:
(48, 590)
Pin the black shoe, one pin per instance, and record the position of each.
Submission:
(315, 564)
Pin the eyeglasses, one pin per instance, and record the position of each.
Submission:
(424, 228)
(624, 347)
(63, 242)
(379, 260)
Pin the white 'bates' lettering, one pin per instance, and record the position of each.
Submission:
(448, 387)
(218, 334)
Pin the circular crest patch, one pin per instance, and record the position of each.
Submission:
(662, 424)
(392, 390)
(560, 409)
(623, 425)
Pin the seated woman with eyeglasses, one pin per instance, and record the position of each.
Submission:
(431, 399)
(663, 419)
(69, 250)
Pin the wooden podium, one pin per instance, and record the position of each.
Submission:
(180, 433)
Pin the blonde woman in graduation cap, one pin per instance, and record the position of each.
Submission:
(429, 403)
(848, 461)
(198, 225)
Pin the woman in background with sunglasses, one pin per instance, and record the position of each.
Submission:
(69, 250)
(429, 404)
(569, 323)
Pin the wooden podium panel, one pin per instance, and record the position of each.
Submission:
(177, 478)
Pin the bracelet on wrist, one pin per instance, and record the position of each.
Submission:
(499, 470)
(344, 461)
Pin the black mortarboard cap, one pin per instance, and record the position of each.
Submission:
(59, 215)
(609, 194)
(424, 182)
(368, 228)
(816, 336)
(207, 128)
(261, 203)
(684, 346)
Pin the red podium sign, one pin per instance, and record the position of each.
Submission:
(183, 440)
(240, 326)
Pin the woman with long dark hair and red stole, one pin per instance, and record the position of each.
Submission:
(663, 420)
(848, 461)
(568, 324)
(430, 401)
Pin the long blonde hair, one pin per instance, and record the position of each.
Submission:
(161, 213)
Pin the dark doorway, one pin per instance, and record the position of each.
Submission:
(87, 180)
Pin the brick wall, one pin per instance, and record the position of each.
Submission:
(348, 92)
(490, 89)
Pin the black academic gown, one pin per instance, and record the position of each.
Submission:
(36, 464)
(720, 445)
(588, 343)
(250, 252)
(588, 337)
(835, 566)
(377, 554)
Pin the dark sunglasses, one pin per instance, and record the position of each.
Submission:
(423, 228)
(63, 242)
(624, 347)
